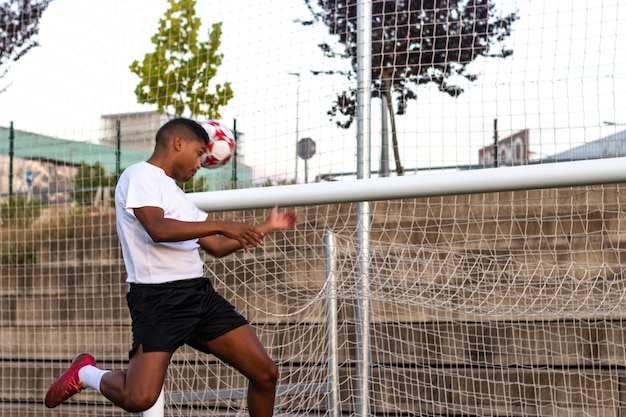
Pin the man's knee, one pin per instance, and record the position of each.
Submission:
(267, 375)
(138, 402)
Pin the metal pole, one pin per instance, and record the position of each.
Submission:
(297, 74)
(118, 150)
(333, 401)
(234, 173)
(363, 117)
(495, 143)
(11, 155)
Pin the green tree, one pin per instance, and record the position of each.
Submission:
(90, 179)
(413, 43)
(177, 75)
(19, 26)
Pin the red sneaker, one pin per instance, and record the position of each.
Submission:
(68, 383)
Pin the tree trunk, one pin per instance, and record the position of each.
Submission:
(392, 116)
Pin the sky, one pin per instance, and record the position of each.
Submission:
(566, 77)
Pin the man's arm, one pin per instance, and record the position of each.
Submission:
(219, 246)
(162, 229)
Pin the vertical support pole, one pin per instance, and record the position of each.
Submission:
(334, 401)
(495, 144)
(118, 150)
(234, 172)
(363, 118)
(297, 74)
(11, 155)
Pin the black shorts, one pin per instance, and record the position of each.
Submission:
(166, 316)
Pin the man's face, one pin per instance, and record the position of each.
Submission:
(191, 149)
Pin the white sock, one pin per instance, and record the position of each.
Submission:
(91, 376)
(158, 409)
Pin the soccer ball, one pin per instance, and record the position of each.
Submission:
(221, 144)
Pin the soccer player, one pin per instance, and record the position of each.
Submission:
(170, 301)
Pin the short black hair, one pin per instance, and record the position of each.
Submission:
(175, 126)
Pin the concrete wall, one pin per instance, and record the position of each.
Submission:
(51, 181)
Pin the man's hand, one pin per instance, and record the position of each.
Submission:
(246, 235)
(280, 220)
(241, 235)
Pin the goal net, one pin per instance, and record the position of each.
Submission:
(486, 278)
(505, 303)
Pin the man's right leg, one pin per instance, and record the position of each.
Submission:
(139, 387)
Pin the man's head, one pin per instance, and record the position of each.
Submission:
(179, 145)
(181, 126)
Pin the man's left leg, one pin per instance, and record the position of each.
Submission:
(242, 349)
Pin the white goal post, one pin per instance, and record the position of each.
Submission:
(527, 177)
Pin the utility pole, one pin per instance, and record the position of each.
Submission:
(297, 74)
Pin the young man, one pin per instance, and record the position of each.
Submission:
(170, 302)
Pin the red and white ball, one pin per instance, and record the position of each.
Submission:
(221, 144)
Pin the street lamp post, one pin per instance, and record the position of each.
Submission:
(297, 74)
(619, 146)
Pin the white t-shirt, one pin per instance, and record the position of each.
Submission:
(149, 262)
